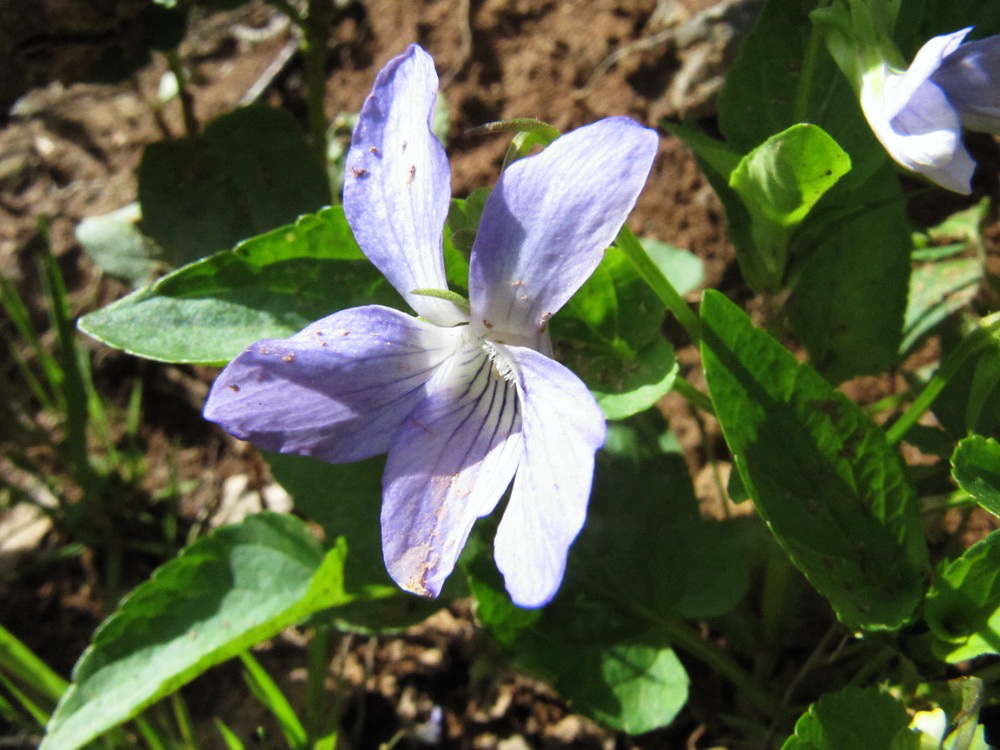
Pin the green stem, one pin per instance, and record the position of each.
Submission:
(970, 345)
(659, 283)
(693, 395)
(314, 43)
(319, 667)
(183, 92)
(684, 637)
(800, 108)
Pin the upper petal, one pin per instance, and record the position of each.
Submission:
(562, 427)
(970, 78)
(547, 222)
(925, 63)
(450, 463)
(338, 390)
(397, 186)
(919, 128)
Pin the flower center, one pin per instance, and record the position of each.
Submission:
(501, 367)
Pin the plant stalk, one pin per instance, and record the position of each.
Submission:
(659, 283)
(969, 346)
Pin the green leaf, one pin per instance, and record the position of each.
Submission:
(250, 171)
(116, 244)
(634, 686)
(822, 475)
(676, 571)
(626, 386)
(460, 235)
(266, 690)
(683, 269)
(970, 401)
(849, 272)
(784, 76)
(609, 334)
(782, 179)
(780, 182)
(18, 661)
(234, 588)
(975, 465)
(633, 683)
(645, 558)
(270, 286)
(962, 607)
(937, 290)
(854, 718)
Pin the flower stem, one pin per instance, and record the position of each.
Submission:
(659, 283)
(693, 395)
(317, 28)
(971, 344)
(684, 637)
(800, 110)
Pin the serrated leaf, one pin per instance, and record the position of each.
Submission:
(267, 287)
(975, 465)
(251, 170)
(232, 589)
(819, 471)
(854, 718)
(962, 607)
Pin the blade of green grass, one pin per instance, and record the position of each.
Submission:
(269, 694)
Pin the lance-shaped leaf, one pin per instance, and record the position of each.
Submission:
(267, 287)
(819, 471)
(963, 605)
(240, 585)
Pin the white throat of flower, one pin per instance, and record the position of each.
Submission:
(503, 369)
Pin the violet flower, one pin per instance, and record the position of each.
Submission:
(462, 400)
(918, 113)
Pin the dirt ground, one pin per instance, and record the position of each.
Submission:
(70, 151)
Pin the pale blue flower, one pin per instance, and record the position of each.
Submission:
(918, 114)
(463, 401)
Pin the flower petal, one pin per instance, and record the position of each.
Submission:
(970, 78)
(397, 187)
(450, 464)
(546, 224)
(337, 390)
(563, 427)
(925, 63)
(914, 120)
